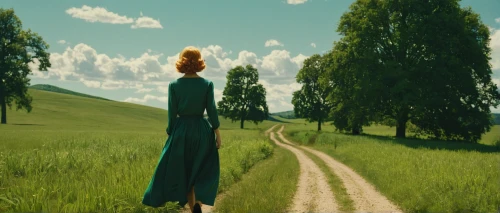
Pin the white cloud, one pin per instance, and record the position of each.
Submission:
(296, 1)
(217, 95)
(281, 63)
(151, 72)
(313, 45)
(495, 47)
(98, 14)
(61, 42)
(91, 84)
(163, 88)
(497, 20)
(146, 22)
(147, 98)
(273, 42)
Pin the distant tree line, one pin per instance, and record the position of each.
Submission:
(400, 63)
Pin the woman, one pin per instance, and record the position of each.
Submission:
(188, 169)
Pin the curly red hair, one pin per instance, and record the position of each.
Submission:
(190, 61)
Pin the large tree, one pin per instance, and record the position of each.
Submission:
(243, 97)
(18, 48)
(310, 102)
(424, 62)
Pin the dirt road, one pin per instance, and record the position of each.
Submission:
(313, 193)
(364, 195)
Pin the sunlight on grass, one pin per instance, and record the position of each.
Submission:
(419, 175)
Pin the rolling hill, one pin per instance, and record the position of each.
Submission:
(286, 114)
(51, 88)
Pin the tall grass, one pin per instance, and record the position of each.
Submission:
(102, 172)
(419, 175)
(268, 187)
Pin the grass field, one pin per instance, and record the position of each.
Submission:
(77, 154)
(266, 188)
(419, 175)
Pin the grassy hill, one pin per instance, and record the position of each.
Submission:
(50, 88)
(52, 110)
(286, 114)
(76, 153)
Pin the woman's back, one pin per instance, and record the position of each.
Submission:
(191, 96)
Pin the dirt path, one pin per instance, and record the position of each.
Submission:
(207, 208)
(365, 196)
(313, 192)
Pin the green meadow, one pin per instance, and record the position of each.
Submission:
(419, 175)
(82, 154)
(79, 154)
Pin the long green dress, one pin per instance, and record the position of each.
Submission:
(190, 157)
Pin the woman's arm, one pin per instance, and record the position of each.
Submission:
(172, 109)
(211, 108)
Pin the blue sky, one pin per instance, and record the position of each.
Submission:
(125, 50)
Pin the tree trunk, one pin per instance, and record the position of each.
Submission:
(401, 125)
(355, 131)
(3, 104)
(242, 121)
(319, 124)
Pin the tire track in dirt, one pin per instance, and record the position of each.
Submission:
(365, 196)
(313, 191)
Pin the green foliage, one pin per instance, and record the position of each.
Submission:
(421, 61)
(310, 102)
(243, 97)
(51, 88)
(18, 48)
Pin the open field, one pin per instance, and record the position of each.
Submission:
(74, 154)
(418, 175)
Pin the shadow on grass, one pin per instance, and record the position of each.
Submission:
(28, 124)
(437, 145)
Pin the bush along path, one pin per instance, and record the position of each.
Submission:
(364, 195)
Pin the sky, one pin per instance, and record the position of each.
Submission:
(126, 50)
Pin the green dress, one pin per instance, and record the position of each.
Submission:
(190, 157)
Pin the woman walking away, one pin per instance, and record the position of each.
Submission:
(188, 170)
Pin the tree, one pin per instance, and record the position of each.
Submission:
(310, 102)
(424, 62)
(350, 106)
(243, 97)
(18, 48)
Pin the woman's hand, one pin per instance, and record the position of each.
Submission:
(218, 142)
(217, 139)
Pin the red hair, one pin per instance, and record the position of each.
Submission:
(190, 61)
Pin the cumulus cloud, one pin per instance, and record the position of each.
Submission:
(61, 42)
(98, 14)
(296, 1)
(313, 45)
(151, 72)
(497, 20)
(147, 98)
(273, 42)
(495, 47)
(146, 22)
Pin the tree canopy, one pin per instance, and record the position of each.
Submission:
(18, 48)
(424, 62)
(310, 102)
(243, 97)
